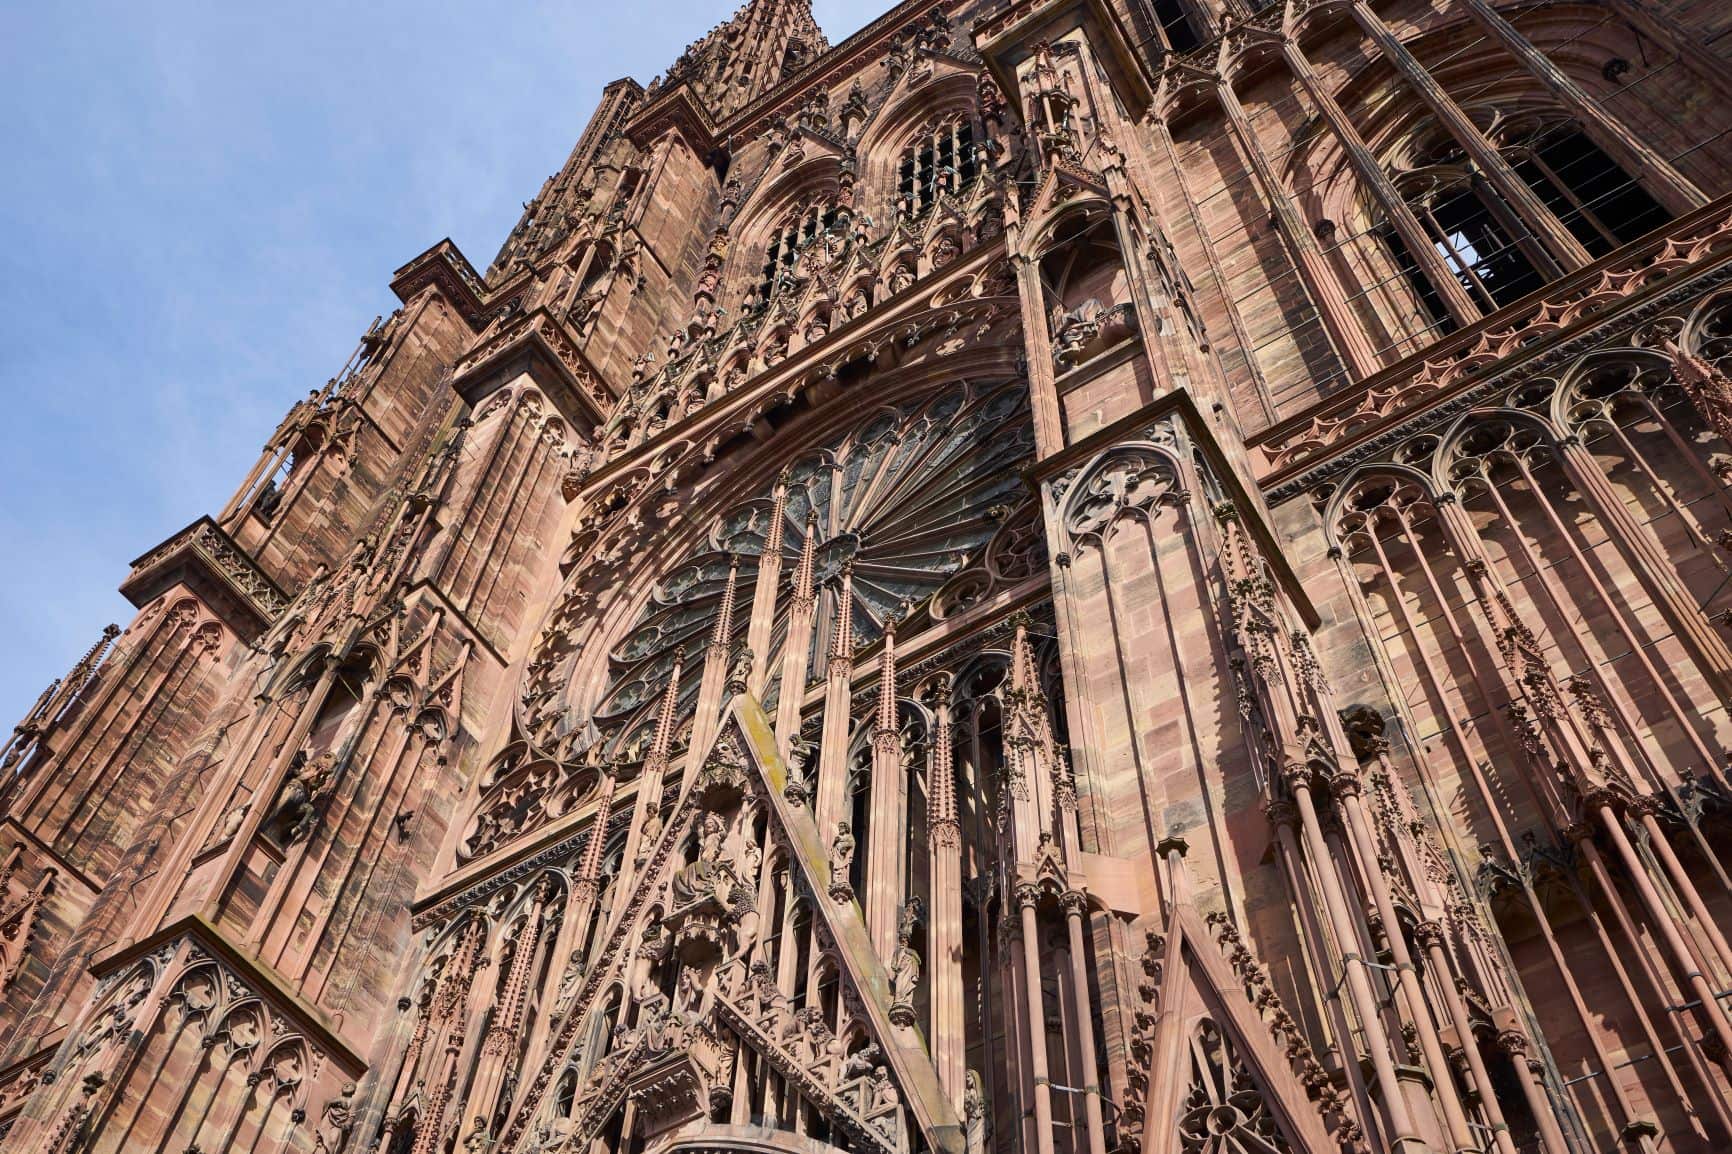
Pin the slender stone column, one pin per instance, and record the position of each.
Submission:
(797, 648)
(885, 857)
(1346, 787)
(1042, 390)
(1026, 897)
(708, 716)
(1075, 910)
(1558, 240)
(1643, 810)
(1640, 162)
(832, 785)
(944, 926)
(1652, 566)
(1375, 181)
(1515, 1044)
(763, 618)
(1661, 919)
(1430, 937)
(1348, 335)
(1404, 1137)
(507, 1021)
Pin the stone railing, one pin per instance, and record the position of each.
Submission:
(1543, 321)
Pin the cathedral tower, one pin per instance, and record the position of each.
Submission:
(1058, 576)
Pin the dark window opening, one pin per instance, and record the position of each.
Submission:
(1594, 198)
(1474, 244)
(1417, 280)
(787, 243)
(946, 161)
(1175, 22)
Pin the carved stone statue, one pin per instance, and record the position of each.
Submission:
(338, 1121)
(1088, 328)
(569, 983)
(740, 672)
(706, 877)
(905, 964)
(296, 810)
(974, 1114)
(841, 858)
(862, 1062)
(650, 834)
(799, 787)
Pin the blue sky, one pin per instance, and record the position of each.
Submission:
(202, 205)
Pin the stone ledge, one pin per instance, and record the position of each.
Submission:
(540, 345)
(446, 268)
(207, 561)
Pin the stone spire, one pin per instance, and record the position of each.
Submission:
(740, 60)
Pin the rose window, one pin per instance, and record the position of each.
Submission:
(912, 497)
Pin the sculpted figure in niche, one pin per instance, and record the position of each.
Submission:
(799, 787)
(974, 1114)
(569, 984)
(297, 805)
(841, 858)
(650, 835)
(1085, 330)
(862, 1062)
(905, 967)
(706, 877)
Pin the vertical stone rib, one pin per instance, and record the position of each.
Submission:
(833, 751)
(763, 619)
(886, 860)
(796, 649)
(708, 715)
(944, 933)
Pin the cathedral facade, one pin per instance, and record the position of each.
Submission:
(1055, 577)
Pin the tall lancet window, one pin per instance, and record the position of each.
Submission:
(799, 229)
(1484, 239)
(941, 159)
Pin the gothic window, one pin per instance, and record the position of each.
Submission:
(911, 495)
(1586, 189)
(942, 159)
(1483, 239)
(1175, 20)
(798, 230)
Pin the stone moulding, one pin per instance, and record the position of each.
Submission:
(204, 558)
(1572, 316)
(1180, 405)
(195, 932)
(540, 345)
(446, 268)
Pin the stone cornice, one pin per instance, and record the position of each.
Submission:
(1464, 367)
(539, 344)
(477, 880)
(676, 109)
(208, 561)
(446, 268)
(825, 357)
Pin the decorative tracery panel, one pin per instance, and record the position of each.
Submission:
(909, 499)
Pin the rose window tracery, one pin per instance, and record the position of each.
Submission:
(912, 497)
